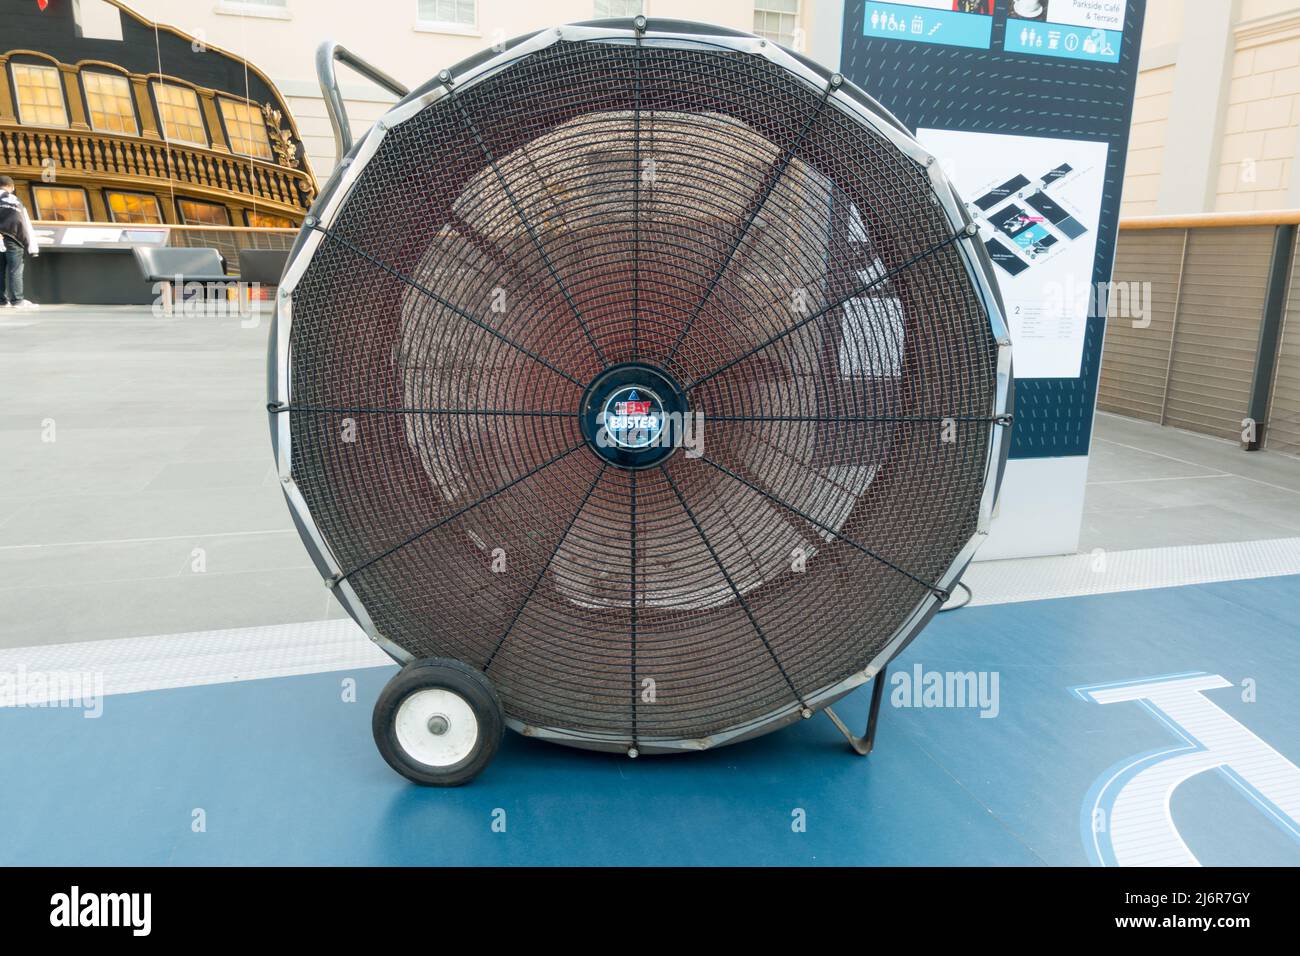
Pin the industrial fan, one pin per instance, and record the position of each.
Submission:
(642, 388)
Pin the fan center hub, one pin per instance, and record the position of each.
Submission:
(633, 415)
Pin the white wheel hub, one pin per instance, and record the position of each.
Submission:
(436, 726)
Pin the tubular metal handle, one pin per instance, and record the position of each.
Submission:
(327, 54)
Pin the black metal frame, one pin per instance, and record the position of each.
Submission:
(1270, 334)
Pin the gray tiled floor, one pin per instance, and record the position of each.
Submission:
(161, 449)
(1153, 487)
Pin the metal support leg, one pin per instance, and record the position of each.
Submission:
(862, 745)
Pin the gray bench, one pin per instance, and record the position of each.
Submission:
(263, 266)
(168, 264)
(179, 266)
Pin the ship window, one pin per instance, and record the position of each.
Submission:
(245, 128)
(266, 220)
(109, 99)
(134, 207)
(195, 213)
(60, 204)
(40, 95)
(178, 108)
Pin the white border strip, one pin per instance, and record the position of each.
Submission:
(1108, 572)
(133, 664)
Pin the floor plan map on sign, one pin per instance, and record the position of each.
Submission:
(1036, 202)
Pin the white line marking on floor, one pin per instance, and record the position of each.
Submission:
(1194, 464)
(170, 537)
(1138, 481)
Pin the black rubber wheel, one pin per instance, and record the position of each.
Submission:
(438, 722)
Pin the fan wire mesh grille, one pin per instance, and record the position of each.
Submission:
(700, 210)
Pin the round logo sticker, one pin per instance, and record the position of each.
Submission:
(633, 417)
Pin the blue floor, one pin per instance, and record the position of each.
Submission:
(285, 772)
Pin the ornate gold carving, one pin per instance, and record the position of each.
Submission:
(282, 144)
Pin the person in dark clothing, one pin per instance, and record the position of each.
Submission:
(18, 239)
